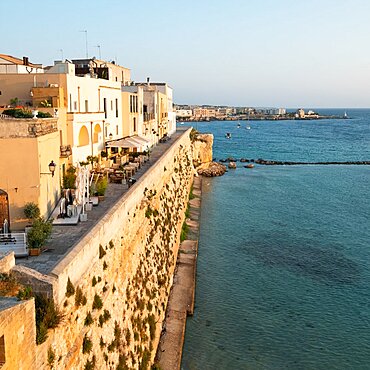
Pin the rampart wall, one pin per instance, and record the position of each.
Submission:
(119, 275)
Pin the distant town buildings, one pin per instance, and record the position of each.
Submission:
(223, 113)
(95, 112)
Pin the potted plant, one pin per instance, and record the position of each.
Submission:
(101, 187)
(37, 236)
(69, 178)
(32, 212)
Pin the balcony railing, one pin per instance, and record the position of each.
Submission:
(148, 117)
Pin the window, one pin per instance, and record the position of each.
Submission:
(136, 110)
(75, 105)
(105, 107)
(131, 104)
(134, 124)
(116, 130)
(2, 351)
(116, 107)
(86, 105)
(70, 102)
(111, 105)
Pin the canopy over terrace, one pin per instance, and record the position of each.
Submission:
(130, 142)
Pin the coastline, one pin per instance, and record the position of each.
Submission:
(182, 296)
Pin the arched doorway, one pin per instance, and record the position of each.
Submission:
(4, 208)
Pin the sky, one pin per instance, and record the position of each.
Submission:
(260, 53)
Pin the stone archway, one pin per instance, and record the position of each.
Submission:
(4, 207)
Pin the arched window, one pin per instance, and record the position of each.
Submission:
(97, 130)
(83, 136)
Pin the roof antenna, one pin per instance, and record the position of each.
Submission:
(87, 51)
(99, 48)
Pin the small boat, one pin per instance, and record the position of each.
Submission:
(232, 165)
(228, 135)
(248, 127)
(238, 125)
(250, 165)
(345, 115)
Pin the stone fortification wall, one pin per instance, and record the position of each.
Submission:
(113, 286)
(202, 149)
(17, 334)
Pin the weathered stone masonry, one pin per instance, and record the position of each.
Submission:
(121, 273)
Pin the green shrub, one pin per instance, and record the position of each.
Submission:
(80, 298)
(90, 364)
(88, 320)
(41, 333)
(44, 115)
(69, 178)
(101, 186)
(117, 333)
(48, 316)
(39, 233)
(184, 231)
(122, 363)
(145, 360)
(25, 293)
(102, 343)
(51, 357)
(18, 113)
(148, 212)
(31, 210)
(70, 288)
(152, 326)
(97, 303)
(102, 252)
(86, 345)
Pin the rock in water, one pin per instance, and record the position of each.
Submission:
(213, 169)
(232, 165)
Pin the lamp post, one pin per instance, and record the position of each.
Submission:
(52, 167)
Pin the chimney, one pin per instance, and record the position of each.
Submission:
(148, 80)
(25, 61)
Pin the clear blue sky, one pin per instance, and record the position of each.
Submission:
(288, 53)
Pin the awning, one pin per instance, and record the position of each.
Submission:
(121, 143)
(129, 142)
(138, 139)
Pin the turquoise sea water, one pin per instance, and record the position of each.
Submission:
(283, 276)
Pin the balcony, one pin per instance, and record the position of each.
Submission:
(65, 151)
(148, 117)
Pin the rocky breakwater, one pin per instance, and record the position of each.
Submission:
(202, 156)
(213, 169)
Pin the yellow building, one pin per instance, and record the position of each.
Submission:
(27, 148)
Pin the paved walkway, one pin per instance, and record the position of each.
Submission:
(64, 237)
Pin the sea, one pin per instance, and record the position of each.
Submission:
(283, 271)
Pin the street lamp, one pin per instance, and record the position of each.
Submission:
(52, 167)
